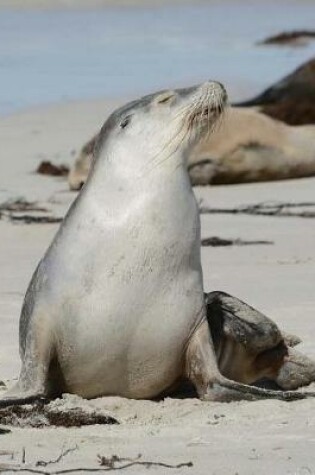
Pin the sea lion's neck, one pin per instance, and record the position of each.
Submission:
(111, 194)
(134, 174)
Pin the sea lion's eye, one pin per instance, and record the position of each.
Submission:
(125, 121)
(164, 98)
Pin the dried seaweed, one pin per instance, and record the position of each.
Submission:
(48, 168)
(20, 205)
(40, 415)
(266, 209)
(215, 241)
(29, 219)
(12, 209)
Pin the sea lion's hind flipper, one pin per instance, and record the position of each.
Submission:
(241, 322)
(250, 346)
(227, 390)
(202, 370)
(291, 340)
(297, 370)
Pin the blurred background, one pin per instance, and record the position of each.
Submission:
(62, 52)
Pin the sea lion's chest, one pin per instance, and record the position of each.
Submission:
(141, 232)
(138, 291)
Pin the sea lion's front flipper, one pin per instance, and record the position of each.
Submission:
(36, 353)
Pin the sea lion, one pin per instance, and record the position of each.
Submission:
(116, 306)
(247, 147)
(252, 147)
(298, 85)
(291, 99)
(290, 38)
(80, 170)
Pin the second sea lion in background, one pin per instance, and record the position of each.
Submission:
(247, 146)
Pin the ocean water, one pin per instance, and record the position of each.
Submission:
(51, 56)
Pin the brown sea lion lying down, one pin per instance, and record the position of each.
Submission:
(291, 99)
(247, 146)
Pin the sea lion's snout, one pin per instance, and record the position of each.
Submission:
(215, 88)
(213, 95)
(206, 102)
(210, 100)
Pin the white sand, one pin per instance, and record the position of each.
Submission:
(264, 437)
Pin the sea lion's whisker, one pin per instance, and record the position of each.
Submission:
(183, 114)
(185, 128)
(155, 163)
(202, 109)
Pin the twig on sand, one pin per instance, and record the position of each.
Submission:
(64, 453)
(265, 209)
(114, 459)
(108, 464)
(111, 462)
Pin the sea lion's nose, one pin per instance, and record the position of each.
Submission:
(215, 88)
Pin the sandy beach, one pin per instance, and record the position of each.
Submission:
(52, 102)
(241, 437)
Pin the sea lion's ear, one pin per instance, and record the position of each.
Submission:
(164, 98)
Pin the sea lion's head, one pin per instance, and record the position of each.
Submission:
(161, 125)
